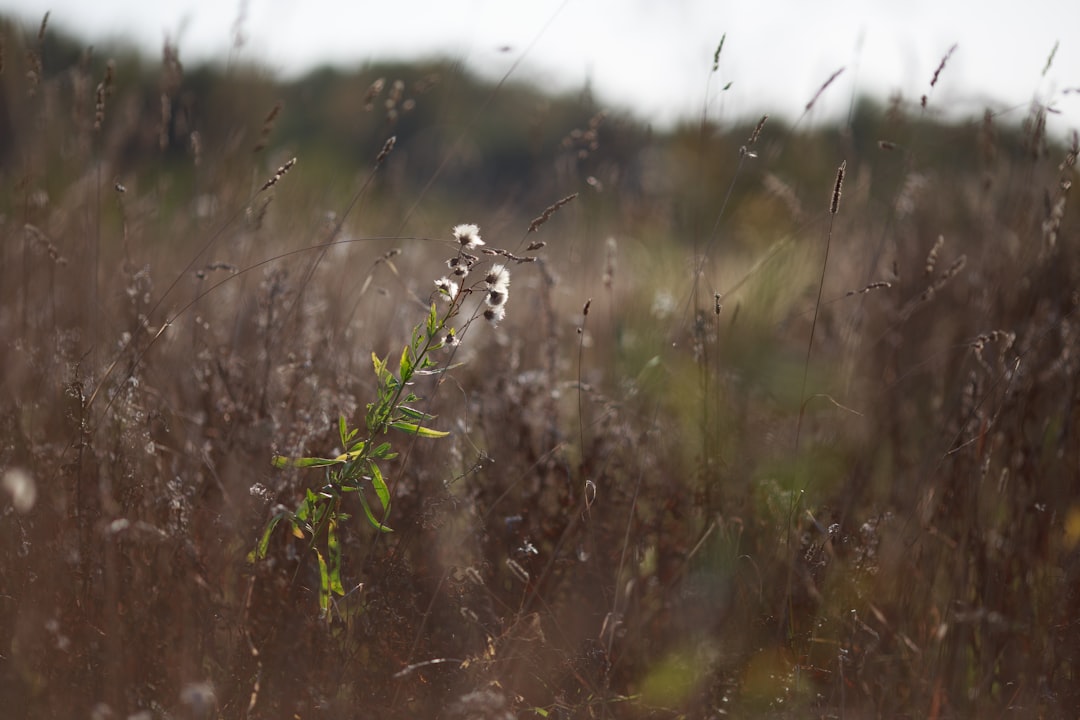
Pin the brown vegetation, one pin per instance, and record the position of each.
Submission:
(696, 470)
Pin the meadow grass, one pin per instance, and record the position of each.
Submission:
(777, 421)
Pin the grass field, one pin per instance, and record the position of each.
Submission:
(781, 420)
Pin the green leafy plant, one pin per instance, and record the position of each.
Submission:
(358, 470)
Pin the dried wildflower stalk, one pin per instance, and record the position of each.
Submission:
(357, 469)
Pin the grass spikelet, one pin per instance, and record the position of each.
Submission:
(785, 193)
(757, 131)
(548, 212)
(937, 72)
(372, 94)
(387, 148)
(99, 106)
(1050, 58)
(837, 188)
(824, 86)
(941, 66)
(879, 285)
(834, 206)
(34, 58)
(952, 271)
(166, 118)
(932, 256)
(278, 175)
(610, 261)
(716, 55)
(196, 147)
(268, 126)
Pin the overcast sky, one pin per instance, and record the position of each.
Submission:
(653, 57)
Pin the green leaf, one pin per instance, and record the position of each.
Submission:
(414, 429)
(334, 546)
(433, 321)
(406, 364)
(354, 452)
(343, 430)
(280, 461)
(303, 510)
(324, 586)
(382, 451)
(380, 366)
(379, 483)
(371, 516)
(264, 542)
(414, 414)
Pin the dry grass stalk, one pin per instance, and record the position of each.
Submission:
(373, 92)
(610, 260)
(952, 271)
(268, 126)
(166, 119)
(716, 55)
(932, 256)
(393, 101)
(785, 193)
(104, 89)
(99, 106)
(1050, 59)
(80, 81)
(586, 141)
(757, 131)
(879, 285)
(39, 239)
(508, 255)
(34, 59)
(940, 67)
(835, 204)
(387, 148)
(196, 147)
(1008, 339)
(278, 175)
(822, 89)
(546, 215)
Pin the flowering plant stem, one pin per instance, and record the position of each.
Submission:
(357, 469)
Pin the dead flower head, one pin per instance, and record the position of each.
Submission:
(468, 235)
